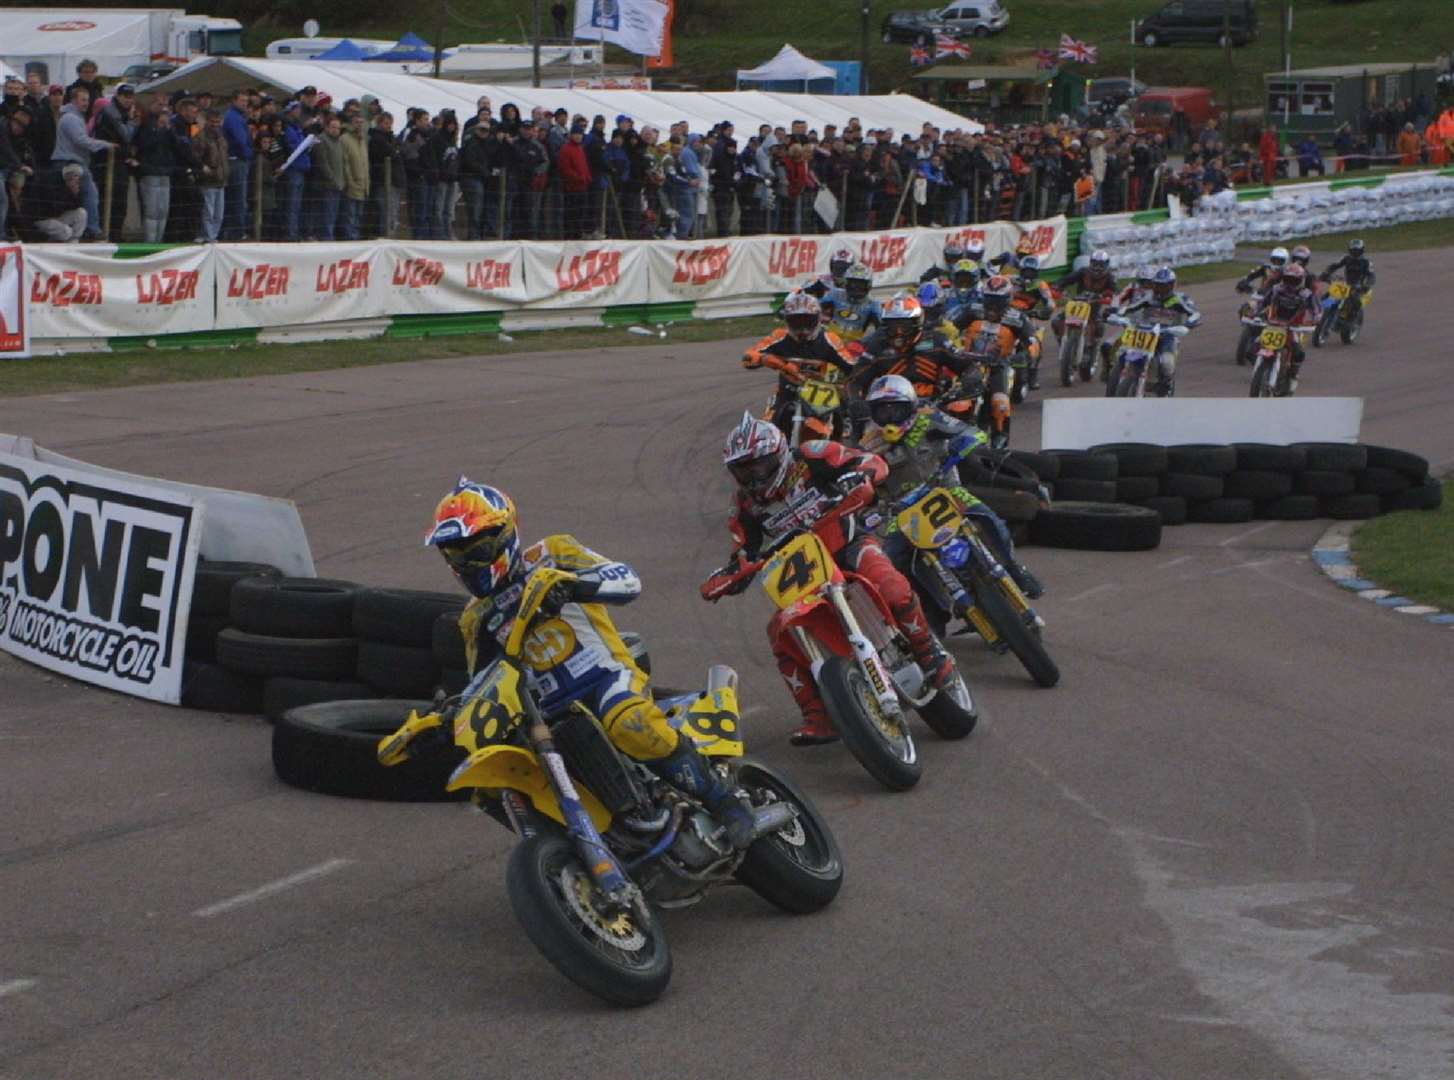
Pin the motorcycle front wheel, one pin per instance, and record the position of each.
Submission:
(799, 868)
(1244, 344)
(951, 713)
(1129, 383)
(1069, 355)
(1324, 327)
(1260, 386)
(622, 958)
(1113, 377)
(882, 744)
(1025, 643)
(1350, 330)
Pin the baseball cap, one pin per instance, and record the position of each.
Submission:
(621, 118)
(308, 90)
(125, 88)
(57, 88)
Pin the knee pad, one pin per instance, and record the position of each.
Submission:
(637, 727)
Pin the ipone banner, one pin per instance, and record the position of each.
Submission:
(96, 576)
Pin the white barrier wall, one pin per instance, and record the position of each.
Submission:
(1080, 423)
(86, 292)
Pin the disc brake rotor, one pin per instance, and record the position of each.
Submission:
(617, 930)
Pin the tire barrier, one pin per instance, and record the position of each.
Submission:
(1209, 483)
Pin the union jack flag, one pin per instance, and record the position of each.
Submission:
(1076, 51)
(1045, 59)
(944, 45)
(919, 56)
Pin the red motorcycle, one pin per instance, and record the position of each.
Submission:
(841, 630)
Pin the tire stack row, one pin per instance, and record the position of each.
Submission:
(1247, 481)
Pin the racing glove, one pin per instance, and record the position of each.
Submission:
(560, 594)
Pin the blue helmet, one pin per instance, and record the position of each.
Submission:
(1163, 282)
(932, 298)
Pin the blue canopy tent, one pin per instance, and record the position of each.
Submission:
(409, 49)
(344, 50)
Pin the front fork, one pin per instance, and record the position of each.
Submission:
(863, 652)
(598, 859)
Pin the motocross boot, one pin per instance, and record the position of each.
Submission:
(937, 664)
(817, 729)
(689, 770)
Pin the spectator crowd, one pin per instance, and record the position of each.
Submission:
(193, 167)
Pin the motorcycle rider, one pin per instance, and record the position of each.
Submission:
(779, 490)
(1096, 277)
(1036, 300)
(1168, 307)
(577, 655)
(1357, 271)
(927, 358)
(816, 353)
(1266, 273)
(851, 312)
(1302, 255)
(1137, 286)
(823, 284)
(953, 252)
(1291, 303)
(914, 440)
(934, 299)
(1000, 334)
(964, 294)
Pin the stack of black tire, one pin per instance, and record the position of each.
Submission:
(206, 684)
(1247, 481)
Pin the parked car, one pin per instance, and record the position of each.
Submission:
(1175, 111)
(1199, 21)
(138, 74)
(979, 18)
(913, 26)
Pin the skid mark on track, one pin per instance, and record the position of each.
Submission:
(1291, 961)
(1250, 532)
(262, 892)
(1090, 592)
(15, 986)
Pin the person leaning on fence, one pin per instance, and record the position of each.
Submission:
(157, 162)
(293, 175)
(73, 144)
(240, 155)
(116, 123)
(1310, 157)
(387, 180)
(355, 146)
(328, 168)
(213, 171)
(52, 205)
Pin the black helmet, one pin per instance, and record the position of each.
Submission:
(953, 252)
(1302, 254)
(838, 264)
(1355, 248)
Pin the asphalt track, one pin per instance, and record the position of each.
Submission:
(1220, 848)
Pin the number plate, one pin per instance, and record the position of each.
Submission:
(1141, 340)
(1274, 337)
(1078, 309)
(798, 570)
(932, 521)
(819, 395)
(493, 712)
(1339, 290)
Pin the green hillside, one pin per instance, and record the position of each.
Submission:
(715, 37)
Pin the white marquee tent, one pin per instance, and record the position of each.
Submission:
(114, 39)
(398, 91)
(788, 65)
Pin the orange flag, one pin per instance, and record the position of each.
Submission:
(665, 59)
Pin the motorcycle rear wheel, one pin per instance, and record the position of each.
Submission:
(799, 868)
(1069, 356)
(1024, 642)
(624, 960)
(891, 759)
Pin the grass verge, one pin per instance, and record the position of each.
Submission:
(1411, 552)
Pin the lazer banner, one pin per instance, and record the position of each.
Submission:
(14, 316)
(74, 292)
(294, 284)
(435, 277)
(96, 576)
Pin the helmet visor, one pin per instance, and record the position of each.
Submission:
(891, 413)
(757, 473)
(803, 326)
(856, 288)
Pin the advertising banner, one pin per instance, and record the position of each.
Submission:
(296, 284)
(76, 292)
(14, 313)
(446, 277)
(586, 273)
(1076, 424)
(701, 269)
(96, 576)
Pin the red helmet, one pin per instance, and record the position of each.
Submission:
(903, 321)
(1294, 278)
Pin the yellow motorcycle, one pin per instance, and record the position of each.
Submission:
(958, 575)
(604, 841)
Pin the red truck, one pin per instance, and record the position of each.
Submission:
(1176, 111)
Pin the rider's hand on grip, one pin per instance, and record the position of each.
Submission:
(850, 481)
(752, 359)
(725, 582)
(560, 594)
(1243, 287)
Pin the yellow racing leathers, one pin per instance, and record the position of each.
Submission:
(577, 655)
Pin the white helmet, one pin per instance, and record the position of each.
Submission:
(892, 404)
(974, 250)
(803, 314)
(1279, 257)
(757, 456)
